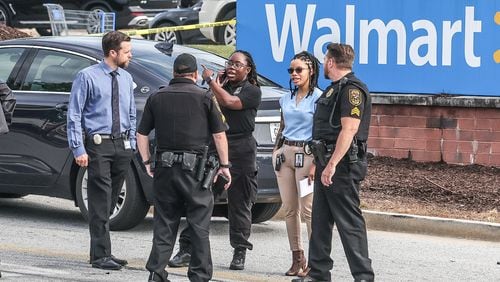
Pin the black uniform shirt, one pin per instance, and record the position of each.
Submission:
(243, 121)
(184, 116)
(354, 101)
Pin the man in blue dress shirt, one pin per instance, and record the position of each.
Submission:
(101, 135)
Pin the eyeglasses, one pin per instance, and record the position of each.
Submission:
(235, 65)
(297, 70)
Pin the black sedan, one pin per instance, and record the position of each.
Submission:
(34, 156)
(179, 17)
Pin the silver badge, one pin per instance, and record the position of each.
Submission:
(97, 139)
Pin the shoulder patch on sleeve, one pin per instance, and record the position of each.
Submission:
(355, 97)
(355, 112)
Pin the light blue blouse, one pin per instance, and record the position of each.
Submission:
(299, 118)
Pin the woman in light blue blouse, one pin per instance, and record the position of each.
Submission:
(291, 164)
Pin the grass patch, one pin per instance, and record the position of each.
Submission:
(221, 50)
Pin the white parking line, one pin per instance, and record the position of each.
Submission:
(28, 270)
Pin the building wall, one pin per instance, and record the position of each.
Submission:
(436, 132)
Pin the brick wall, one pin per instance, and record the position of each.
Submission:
(455, 135)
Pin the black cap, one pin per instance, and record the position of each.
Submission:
(185, 63)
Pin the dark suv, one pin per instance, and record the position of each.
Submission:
(129, 13)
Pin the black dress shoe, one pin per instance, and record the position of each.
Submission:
(121, 262)
(155, 277)
(307, 279)
(181, 259)
(106, 263)
(238, 262)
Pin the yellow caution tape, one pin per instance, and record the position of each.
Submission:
(176, 28)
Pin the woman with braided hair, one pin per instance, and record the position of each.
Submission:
(291, 163)
(238, 94)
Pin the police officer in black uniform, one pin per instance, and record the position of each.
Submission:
(340, 131)
(237, 91)
(184, 117)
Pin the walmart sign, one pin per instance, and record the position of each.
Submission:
(402, 46)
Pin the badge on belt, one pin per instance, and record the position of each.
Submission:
(126, 144)
(97, 139)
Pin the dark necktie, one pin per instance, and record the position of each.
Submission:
(115, 105)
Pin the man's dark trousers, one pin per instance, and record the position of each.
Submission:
(176, 190)
(339, 204)
(241, 195)
(108, 165)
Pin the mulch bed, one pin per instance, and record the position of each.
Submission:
(7, 32)
(440, 186)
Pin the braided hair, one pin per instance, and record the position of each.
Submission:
(252, 75)
(313, 65)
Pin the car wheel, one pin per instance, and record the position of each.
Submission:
(42, 31)
(264, 212)
(130, 209)
(227, 34)
(4, 16)
(167, 36)
(93, 21)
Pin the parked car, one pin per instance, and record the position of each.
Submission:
(219, 10)
(129, 13)
(34, 155)
(178, 17)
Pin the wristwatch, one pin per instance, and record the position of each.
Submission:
(228, 165)
(146, 162)
(209, 79)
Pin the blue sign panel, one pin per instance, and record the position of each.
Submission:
(410, 46)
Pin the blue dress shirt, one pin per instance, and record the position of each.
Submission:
(89, 109)
(299, 118)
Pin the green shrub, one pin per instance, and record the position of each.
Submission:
(221, 50)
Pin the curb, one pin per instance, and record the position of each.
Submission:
(428, 225)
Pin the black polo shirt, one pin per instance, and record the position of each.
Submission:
(242, 121)
(183, 115)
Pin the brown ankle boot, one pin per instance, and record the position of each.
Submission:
(298, 263)
(304, 272)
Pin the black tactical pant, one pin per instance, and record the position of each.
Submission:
(339, 204)
(241, 195)
(176, 190)
(108, 165)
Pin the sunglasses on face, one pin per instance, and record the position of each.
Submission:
(297, 70)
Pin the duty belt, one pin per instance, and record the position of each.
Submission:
(294, 143)
(188, 160)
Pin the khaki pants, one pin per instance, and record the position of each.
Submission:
(296, 208)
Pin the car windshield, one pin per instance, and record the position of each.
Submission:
(159, 60)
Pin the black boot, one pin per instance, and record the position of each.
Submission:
(155, 277)
(238, 262)
(181, 259)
